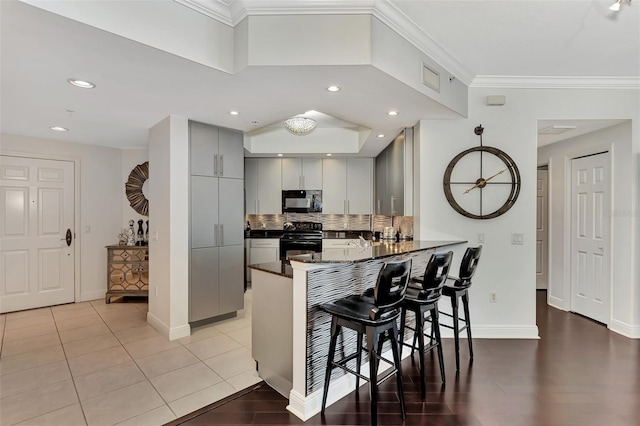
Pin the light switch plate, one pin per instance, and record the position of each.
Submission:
(517, 239)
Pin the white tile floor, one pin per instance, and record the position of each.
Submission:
(94, 363)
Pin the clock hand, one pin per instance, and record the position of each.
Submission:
(499, 173)
(482, 182)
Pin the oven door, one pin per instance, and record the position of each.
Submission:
(292, 246)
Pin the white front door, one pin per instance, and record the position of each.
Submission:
(590, 260)
(542, 217)
(36, 264)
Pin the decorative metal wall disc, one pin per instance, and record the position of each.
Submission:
(133, 188)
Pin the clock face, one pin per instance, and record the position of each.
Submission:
(482, 182)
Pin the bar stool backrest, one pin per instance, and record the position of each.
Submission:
(391, 287)
(468, 265)
(437, 270)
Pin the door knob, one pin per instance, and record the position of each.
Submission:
(68, 237)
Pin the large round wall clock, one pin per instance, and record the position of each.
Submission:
(482, 182)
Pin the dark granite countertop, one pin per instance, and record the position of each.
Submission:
(376, 250)
(263, 233)
(281, 267)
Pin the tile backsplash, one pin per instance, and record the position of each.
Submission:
(334, 222)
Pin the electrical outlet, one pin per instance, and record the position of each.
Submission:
(493, 297)
(480, 237)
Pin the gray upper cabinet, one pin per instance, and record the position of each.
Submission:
(393, 170)
(203, 145)
(347, 185)
(231, 154)
(215, 151)
(301, 173)
(263, 185)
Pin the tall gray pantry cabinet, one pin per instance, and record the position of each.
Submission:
(216, 284)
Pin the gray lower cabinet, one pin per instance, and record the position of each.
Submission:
(205, 284)
(217, 286)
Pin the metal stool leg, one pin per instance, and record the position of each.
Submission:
(420, 336)
(395, 348)
(358, 360)
(435, 329)
(335, 331)
(465, 305)
(456, 332)
(372, 343)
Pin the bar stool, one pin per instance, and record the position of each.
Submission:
(460, 290)
(422, 297)
(373, 317)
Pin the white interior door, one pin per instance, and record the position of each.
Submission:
(36, 264)
(590, 259)
(542, 243)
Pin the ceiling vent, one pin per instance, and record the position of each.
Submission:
(556, 129)
(430, 78)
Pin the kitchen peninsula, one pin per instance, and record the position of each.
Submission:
(290, 334)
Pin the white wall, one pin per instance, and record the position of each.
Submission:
(100, 193)
(169, 217)
(507, 269)
(618, 141)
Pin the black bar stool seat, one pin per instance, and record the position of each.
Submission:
(373, 315)
(422, 297)
(457, 288)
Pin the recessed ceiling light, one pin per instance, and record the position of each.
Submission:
(234, 113)
(381, 135)
(329, 155)
(333, 88)
(393, 113)
(279, 155)
(59, 129)
(81, 83)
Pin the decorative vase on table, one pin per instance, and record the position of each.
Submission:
(146, 235)
(131, 240)
(140, 239)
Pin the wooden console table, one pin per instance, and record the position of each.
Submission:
(127, 271)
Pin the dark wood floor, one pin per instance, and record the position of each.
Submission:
(578, 373)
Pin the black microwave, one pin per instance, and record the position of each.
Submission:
(302, 201)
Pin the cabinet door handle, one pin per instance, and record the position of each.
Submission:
(221, 235)
(215, 164)
(215, 235)
(221, 161)
(257, 206)
(393, 205)
(379, 205)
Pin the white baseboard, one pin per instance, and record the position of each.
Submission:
(170, 333)
(627, 330)
(92, 295)
(556, 303)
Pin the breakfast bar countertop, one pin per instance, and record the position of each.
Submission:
(376, 250)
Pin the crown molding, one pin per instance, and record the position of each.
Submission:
(575, 82)
(218, 10)
(399, 22)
